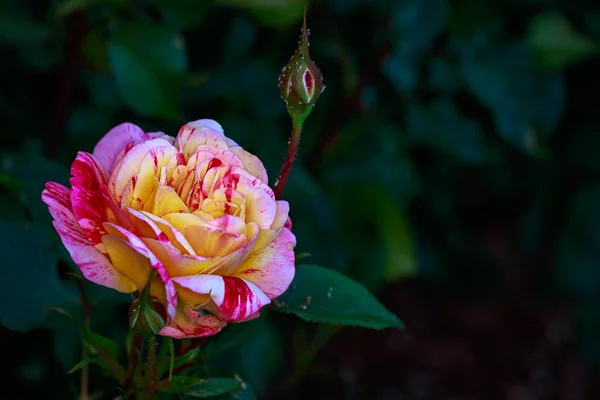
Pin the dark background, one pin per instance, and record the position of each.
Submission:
(451, 166)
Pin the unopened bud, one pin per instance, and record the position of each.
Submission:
(301, 82)
(147, 316)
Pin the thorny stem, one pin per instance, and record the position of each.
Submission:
(289, 159)
(149, 370)
(137, 342)
(87, 310)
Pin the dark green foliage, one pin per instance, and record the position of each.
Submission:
(456, 141)
(319, 294)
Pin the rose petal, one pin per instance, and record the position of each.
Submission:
(179, 264)
(260, 205)
(147, 157)
(210, 242)
(266, 236)
(90, 197)
(133, 264)
(238, 300)
(109, 147)
(139, 245)
(271, 268)
(192, 323)
(176, 262)
(164, 231)
(93, 265)
(200, 132)
(251, 163)
(167, 201)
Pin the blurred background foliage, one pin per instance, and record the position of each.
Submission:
(451, 166)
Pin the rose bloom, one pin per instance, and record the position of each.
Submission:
(197, 209)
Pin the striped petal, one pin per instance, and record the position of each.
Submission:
(150, 155)
(238, 300)
(94, 266)
(90, 197)
(192, 322)
(271, 268)
(260, 205)
(112, 144)
(197, 133)
(140, 246)
(251, 163)
(133, 264)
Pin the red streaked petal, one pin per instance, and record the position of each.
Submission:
(169, 233)
(93, 265)
(271, 268)
(201, 132)
(237, 299)
(90, 197)
(156, 153)
(109, 147)
(192, 323)
(140, 246)
(251, 163)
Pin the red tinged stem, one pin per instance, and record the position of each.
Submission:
(289, 161)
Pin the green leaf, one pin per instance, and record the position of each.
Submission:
(106, 353)
(29, 281)
(66, 7)
(149, 62)
(440, 126)
(212, 387)
(182, 14)
(257, 357)
(397, 239)
(27, 174)
(178, 384)
(526, 102)
(321, 232)
(83, 363)
(244, 393)
(416, 23)
(554, 42)
(272, 13)
(188, 357)
(199, 388)
(402, 73)
(226, 340)
(323, 295)
(18, 27)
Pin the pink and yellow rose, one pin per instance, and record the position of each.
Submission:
(197, 209)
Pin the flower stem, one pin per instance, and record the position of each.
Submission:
(87, 309)
(135, 352)
(149, 370)
(293, 145)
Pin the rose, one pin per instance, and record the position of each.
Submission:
(197, 209)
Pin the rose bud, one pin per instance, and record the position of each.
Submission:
(301, 82)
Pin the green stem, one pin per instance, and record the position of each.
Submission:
(137, 343)
(150, 367)
(85, 377)
(289, 159)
